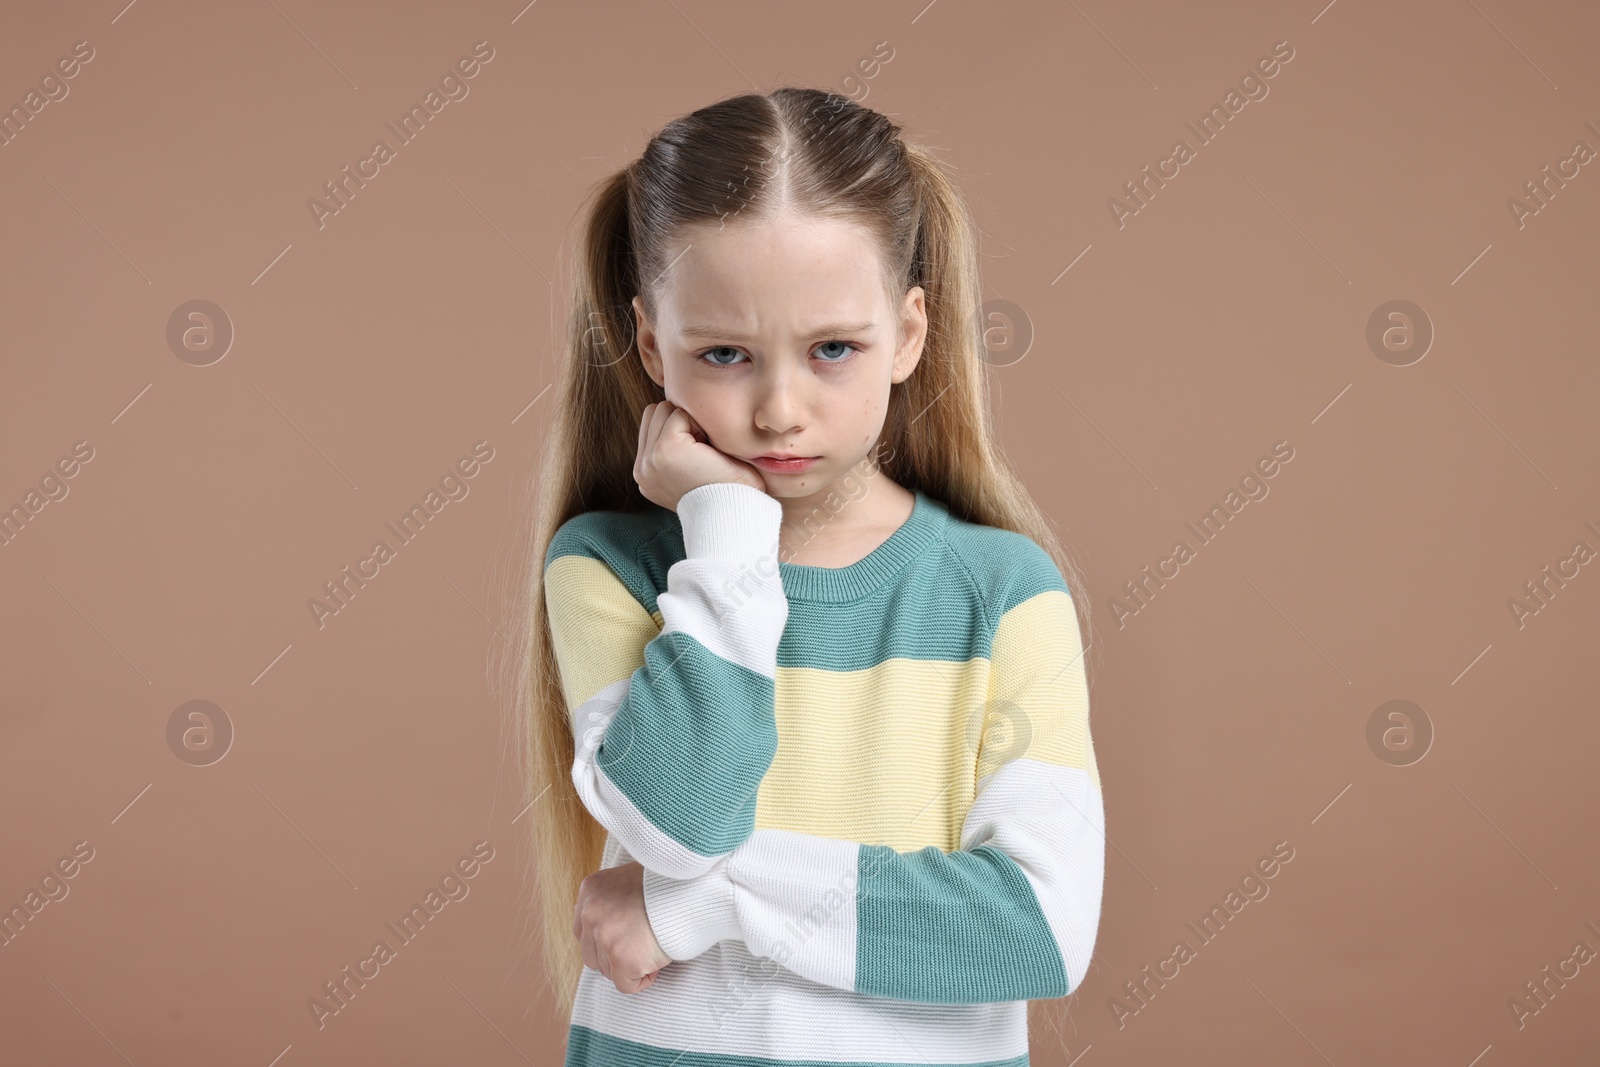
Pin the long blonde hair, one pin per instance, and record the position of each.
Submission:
(796, 149)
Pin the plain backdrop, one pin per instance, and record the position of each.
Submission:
(1145, 358)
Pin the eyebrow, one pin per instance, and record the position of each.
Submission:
(712, 332)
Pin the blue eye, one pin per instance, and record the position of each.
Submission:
(709, 355)
(721, 348)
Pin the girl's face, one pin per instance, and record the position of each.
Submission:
(777, 337)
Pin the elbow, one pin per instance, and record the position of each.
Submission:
(662, 839)
(1078, 949)
(655, 851)
(681, 865)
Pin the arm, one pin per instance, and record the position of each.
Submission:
(1011, 915)
(673, 731)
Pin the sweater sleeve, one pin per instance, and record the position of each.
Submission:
(674, 730)
(1012, 914)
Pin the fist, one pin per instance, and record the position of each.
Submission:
(675, 456)
(611, 924)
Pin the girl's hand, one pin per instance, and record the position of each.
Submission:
(675, 456)
(611, 924)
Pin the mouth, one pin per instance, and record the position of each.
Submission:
(784, 464)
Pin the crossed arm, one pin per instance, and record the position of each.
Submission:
(670, 756)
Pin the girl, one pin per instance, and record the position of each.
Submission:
(807, 717)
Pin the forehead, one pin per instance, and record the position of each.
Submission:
(780, 274)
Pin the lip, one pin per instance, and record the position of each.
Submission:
(784, 464)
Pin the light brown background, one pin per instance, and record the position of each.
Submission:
(1229, 314)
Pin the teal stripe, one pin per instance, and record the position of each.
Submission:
(639, 547)
(691, 742)
(1006, 567)
(958, 927)
(936, 622)
(958, 587)
(590, 1048)
(952, 596)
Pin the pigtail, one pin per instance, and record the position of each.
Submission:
(943, 421)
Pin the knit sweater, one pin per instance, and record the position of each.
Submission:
(865, 798)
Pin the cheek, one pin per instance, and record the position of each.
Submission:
(870, 422)
(713, 408)
(681, 388)
(876, 407)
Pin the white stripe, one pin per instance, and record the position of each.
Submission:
(727, 593)
(1051, 820)
(730, 606)
(729, 519)
(795, 895)
(728, 1001)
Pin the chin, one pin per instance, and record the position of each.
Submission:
(786, 488)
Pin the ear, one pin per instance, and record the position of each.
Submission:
(914, 332)
(645, 340)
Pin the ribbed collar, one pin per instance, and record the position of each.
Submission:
(841, 584)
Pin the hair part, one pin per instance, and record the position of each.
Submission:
(755, 156)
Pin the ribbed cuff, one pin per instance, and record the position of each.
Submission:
(689, 915)
(729, 519)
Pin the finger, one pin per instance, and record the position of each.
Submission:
(680, 421)
(695, 429)
(577, 911)
(586, 943)
(644, 424)
(662, 416)
(677, 421)
(651, 427)
(698, 431)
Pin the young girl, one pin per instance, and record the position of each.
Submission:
(807, 723)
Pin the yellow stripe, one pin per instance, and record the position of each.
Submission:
(599, 630)
(886, 755)
(882, 755)
(1045, 709)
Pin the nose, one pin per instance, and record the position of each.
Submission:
(780, 402)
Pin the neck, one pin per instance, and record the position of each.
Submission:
(853, 513)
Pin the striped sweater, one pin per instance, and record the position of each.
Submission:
(865, 797)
